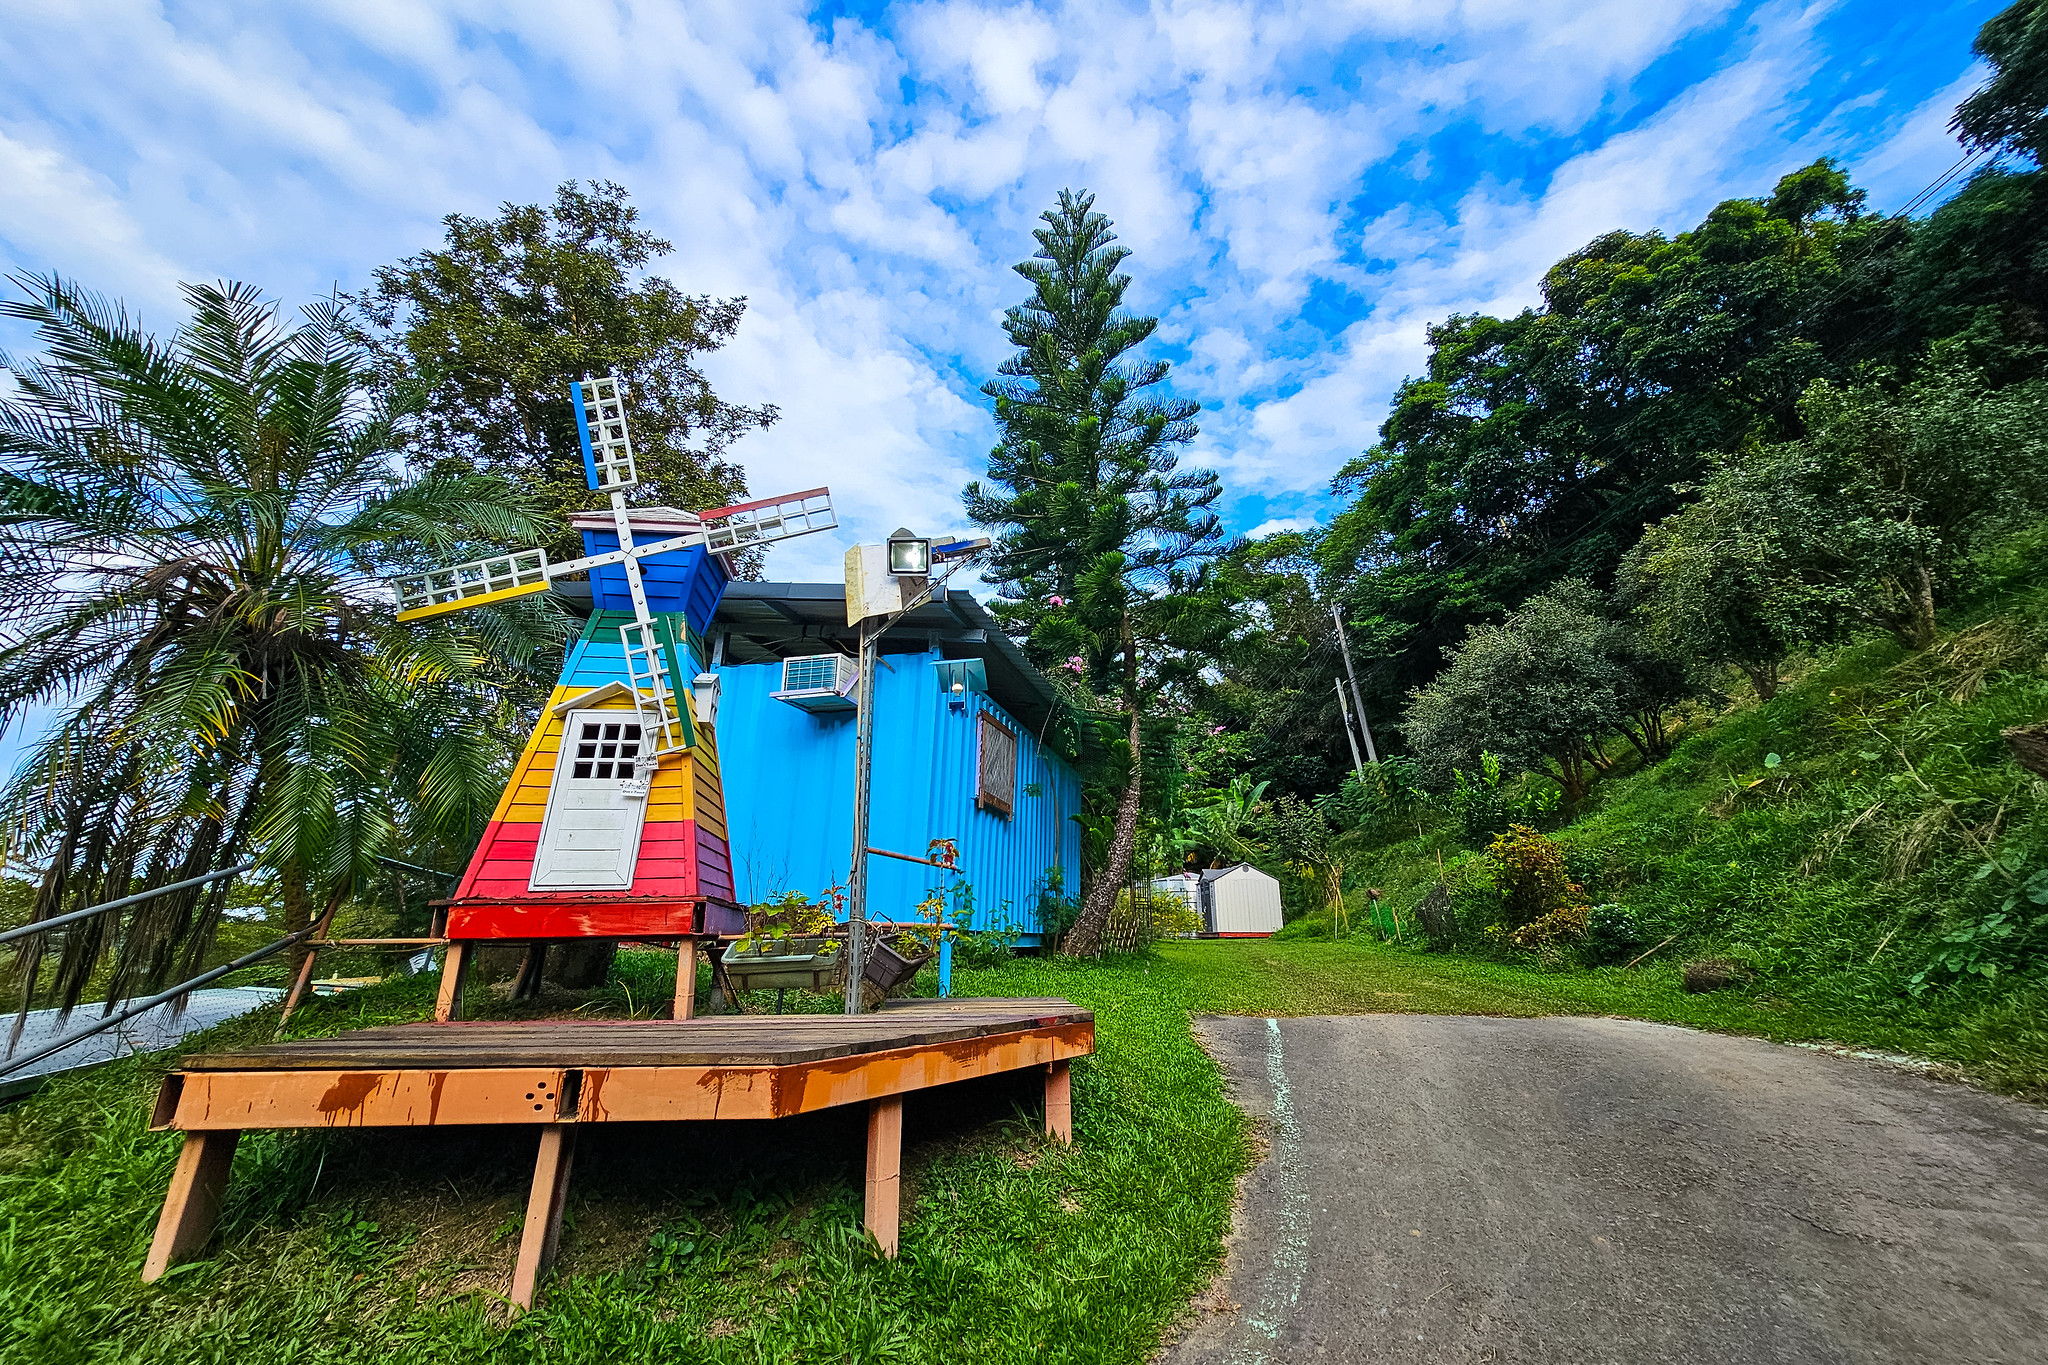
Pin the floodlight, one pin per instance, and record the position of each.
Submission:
(909, 556)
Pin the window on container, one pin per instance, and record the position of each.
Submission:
(996, 785)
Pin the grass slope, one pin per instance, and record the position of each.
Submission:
(1863, 828)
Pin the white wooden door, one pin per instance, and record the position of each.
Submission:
(590, 836)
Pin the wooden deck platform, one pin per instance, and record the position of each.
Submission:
(556, 1075)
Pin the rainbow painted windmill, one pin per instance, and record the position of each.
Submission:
(613, 824)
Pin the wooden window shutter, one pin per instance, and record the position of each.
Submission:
(996, 784)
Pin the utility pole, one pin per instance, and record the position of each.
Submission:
(1357, 701)
(1350, 735)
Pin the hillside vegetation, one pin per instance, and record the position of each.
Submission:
(1862, 849)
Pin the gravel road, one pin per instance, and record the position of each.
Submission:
(1525, 1191)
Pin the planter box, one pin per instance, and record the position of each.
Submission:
(793, 964)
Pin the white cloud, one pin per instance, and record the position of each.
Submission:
(302, 146)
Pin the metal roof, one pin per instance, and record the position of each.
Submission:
(764, 622)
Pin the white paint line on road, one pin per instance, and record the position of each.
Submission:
(1280, 1285)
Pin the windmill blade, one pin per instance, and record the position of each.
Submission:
(601, 427)
(767, 520)
(497, 578)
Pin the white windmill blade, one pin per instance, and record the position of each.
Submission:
(767, 520)
(601, 428)
(496, 578)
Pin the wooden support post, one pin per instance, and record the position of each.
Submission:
(885, 1165)
(454, 967)
(198, 1182)
(298, 990)
(305, 976)
(1059, 1102)
(686, 979)
(532, 966)
(544, 1210)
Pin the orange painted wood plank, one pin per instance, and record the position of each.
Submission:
(238, 1100)
(666, 1093)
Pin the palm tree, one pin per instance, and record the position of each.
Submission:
(191, 533)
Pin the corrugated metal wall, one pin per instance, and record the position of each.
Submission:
(789, 797)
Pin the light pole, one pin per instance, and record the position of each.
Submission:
(908, 557)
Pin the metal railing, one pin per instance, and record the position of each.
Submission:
(75, 916)
(160, 998)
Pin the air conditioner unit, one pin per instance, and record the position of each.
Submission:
(818, 682)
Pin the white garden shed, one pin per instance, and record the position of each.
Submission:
(1239, 902)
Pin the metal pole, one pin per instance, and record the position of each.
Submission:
(76, 915)
(1350, 735)
(1357, 701)
(863, 763)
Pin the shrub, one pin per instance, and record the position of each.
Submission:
(1612, 935)
(1487, 802)
(1528, 872)
(977, 949)
(1056, 910)
(1154, 917)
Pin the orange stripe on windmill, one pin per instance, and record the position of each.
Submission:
(613, 823)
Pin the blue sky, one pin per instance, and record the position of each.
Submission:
(1305, 186)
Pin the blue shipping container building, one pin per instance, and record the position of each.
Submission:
(962, 752)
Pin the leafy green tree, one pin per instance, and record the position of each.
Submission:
(1543, 690)
(1875, 515)
(485, 334)
(1100, 534)
(1717, 583)
(190, 532)
(1535, 448)
(2011, 111)
(1975, 275)
(1273, 684)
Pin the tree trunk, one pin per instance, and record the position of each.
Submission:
(1085, 938)
(1763, 677)
(1572, 775)
(1923, 610)
(298, 913)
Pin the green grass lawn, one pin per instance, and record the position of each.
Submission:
(730, 1242)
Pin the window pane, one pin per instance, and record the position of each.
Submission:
(625, 770)
(604, 770)
(589, 731)
(632, 732)
(582, 770)
(586, 751)
(611, 732)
